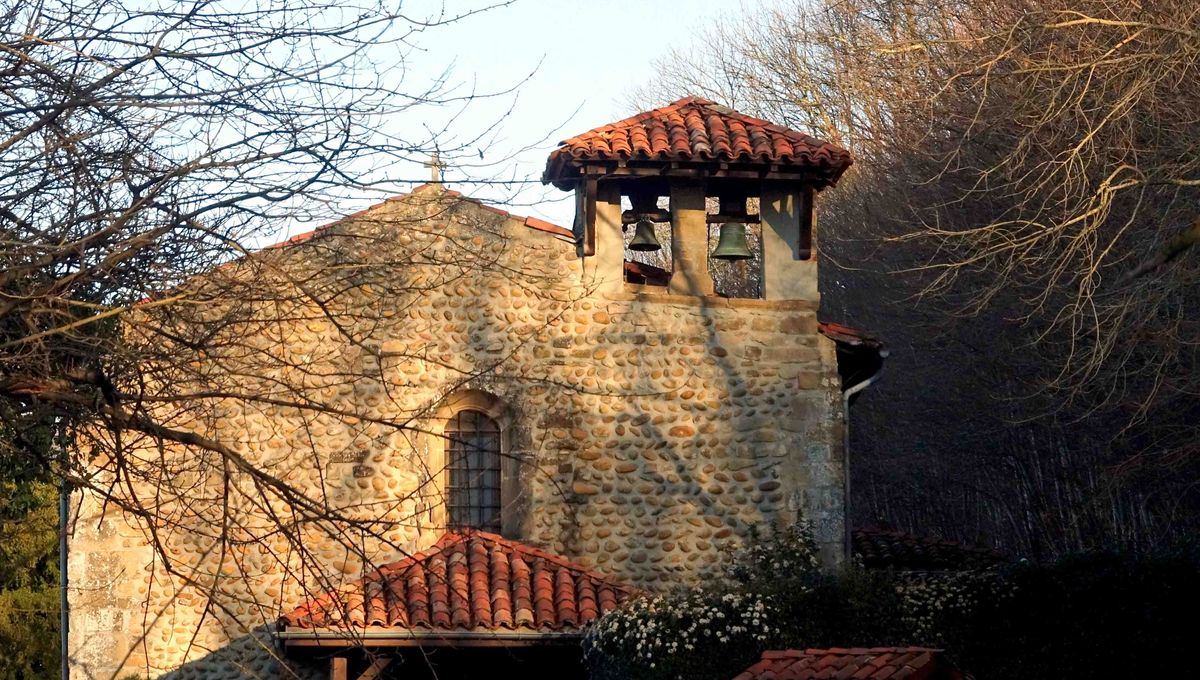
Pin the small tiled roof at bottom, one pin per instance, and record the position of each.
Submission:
(862, 663)
(468, 581)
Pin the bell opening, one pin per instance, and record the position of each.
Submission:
(647, 242)
(735, 260)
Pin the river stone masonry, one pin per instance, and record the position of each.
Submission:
(645, 433)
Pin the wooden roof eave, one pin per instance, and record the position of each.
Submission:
(295, 638)
(817, 175)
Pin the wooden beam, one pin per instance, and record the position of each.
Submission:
(376, 668)
(588, 246)
(655, 215)
(338, 668)
(449, 641)
(745, 219)
(706, 170)
(804, 250)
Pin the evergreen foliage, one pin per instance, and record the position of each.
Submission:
(29, 595)
(29, 633)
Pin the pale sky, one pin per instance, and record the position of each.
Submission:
(591, 54)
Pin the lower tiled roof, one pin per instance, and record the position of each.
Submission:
(887, 549)
(468, 581)
(847, 335)
(874, 663)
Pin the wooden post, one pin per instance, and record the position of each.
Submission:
(585, 217)
(338, 668)
(804, 250)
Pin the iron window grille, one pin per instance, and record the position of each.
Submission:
(473, 447)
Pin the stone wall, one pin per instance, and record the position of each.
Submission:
(645, 432)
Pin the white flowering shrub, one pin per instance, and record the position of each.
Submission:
(669, 636)
(787, 554)
(932, 603)
(708, 632)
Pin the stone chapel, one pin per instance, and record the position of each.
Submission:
(495, 428)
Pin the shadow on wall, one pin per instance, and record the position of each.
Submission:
(724, 437)
(251, 657)
(256, 657)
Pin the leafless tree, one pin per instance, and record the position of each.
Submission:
(1024, 169)
(147, 151)
(144, 145)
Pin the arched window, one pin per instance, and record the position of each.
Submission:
(473, 457)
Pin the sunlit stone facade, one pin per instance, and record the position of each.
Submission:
(644, 432)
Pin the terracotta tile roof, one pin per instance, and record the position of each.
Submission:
(886, 549)
(530, 222)
(695, 130)
(859, 356)
(468, 581)
(875, 663)
(845, 334)
(562, 233)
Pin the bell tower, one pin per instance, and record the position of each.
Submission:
(684, 171)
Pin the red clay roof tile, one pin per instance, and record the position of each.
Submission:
(695, 130)
(875, 663)
(469, 580)
(530, 222)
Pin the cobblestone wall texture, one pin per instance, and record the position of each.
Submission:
(646, 433)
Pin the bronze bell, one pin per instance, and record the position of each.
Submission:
(643, 237)
(732, 243)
